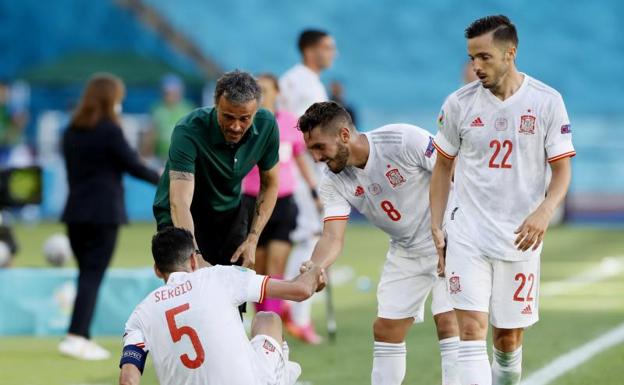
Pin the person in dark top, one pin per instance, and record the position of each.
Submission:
(96, 157)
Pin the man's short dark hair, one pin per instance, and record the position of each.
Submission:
(171, 248)
(503, 28)
(325, 115)
(310, 38)
(237, 87)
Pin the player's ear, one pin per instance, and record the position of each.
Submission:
(345, 134)
(194, 262)
(159, 274)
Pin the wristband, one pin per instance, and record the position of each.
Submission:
(314, 193)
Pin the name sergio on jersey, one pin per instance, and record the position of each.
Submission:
(165, 294)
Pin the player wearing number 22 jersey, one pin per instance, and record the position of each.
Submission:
(384, 174)
(502, 132)
(191, 325)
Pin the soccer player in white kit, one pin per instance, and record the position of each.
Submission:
(503, 132)
(300, 87)
(192, 327)
(384, 174)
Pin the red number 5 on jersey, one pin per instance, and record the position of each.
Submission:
(177, 333)
(389, 209)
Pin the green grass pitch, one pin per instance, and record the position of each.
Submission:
(568, 319)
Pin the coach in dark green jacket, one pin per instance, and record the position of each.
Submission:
(212, 149)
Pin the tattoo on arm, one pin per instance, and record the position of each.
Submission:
(258, 204)
(181, 175)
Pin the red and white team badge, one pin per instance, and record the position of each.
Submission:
(359, 191)
(454, 285)
(268, 346)
(527, 124)
(395, 178)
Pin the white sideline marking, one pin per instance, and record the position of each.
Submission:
(608, 267)
(570, 360)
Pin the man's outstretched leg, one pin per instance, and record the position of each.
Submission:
(272, 350)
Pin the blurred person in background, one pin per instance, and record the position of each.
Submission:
(165, 114)
(13, 117)
(337, 94)
(212, 149)
(300, 87)
(275, 244)
(96, 157)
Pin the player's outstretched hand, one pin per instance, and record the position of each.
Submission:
(308, 266)
(246, 251)
(531, 231)
(439, 240)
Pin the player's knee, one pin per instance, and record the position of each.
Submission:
(267, 322)
(507, 340)
(392, 331)
(472, 329)
(446, 325)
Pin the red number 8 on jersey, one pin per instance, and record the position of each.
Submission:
(389, 209)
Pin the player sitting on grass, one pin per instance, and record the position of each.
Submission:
(385, 175)
(192, 327)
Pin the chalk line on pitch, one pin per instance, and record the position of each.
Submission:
(576, 357)
(609, 267)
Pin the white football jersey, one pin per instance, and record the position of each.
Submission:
(392, 190)
(300, 87)
(192, 327)
(502, 149)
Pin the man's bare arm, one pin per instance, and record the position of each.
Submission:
(300, 288)
(531, 232)
(329, 246)
(440, 186)
(265, 203)
(181, 188)
(130, 375)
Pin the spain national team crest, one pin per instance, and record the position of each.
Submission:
(527, 124)
(454, 285)
(395, 178)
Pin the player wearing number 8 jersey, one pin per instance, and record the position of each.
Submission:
(502, 131)
(192, 327)
(384, 174)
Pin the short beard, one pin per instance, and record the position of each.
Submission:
(340, 160)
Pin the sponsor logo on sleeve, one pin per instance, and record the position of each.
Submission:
(268, 346)
(441, 119)
(566, 129)
(430, 148)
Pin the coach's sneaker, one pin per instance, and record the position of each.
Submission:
(82, 349)
(306, 333)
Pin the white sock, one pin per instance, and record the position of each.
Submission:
(388, 363)
(506, 367)
(449, 347)
(473, 363)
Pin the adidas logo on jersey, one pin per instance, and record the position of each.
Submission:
(527, 310)
(359, 191)
(477, 122)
